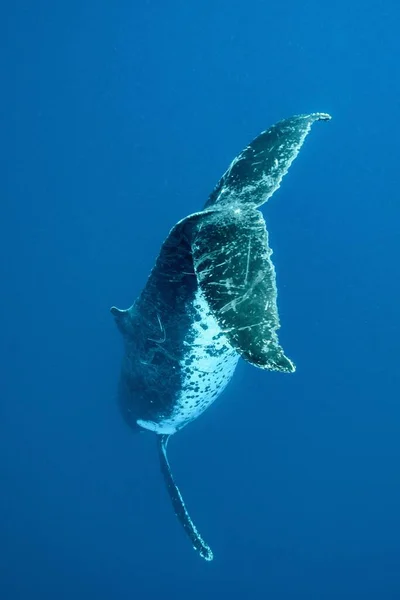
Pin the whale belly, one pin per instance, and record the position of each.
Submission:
(207, 363)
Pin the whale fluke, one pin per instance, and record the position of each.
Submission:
(178, 504)
(256, 173)
(232, 261)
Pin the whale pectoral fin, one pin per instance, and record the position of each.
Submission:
(256, 173)
(232, 262)
(178, 504)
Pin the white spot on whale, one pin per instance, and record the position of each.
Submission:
(207, 367)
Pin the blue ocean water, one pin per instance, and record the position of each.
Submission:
(117, 119)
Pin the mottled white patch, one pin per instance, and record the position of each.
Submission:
(207, 367)
(156, 427)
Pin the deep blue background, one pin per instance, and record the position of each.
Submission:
(117, 119)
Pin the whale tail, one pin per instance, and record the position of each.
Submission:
(178, 504)
(256, 173)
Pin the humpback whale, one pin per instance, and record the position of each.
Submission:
(210, 299)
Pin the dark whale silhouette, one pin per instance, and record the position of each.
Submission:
(209, 300)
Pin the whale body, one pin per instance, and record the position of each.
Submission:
(210, 299)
